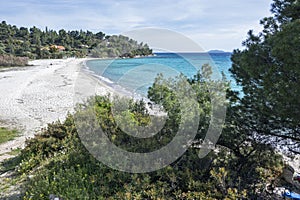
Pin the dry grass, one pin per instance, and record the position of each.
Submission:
(11, 61)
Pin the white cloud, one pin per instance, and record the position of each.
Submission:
(223, 23)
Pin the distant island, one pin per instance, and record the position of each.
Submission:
(217, 51)
(34, 43)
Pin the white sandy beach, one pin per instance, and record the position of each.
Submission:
(32, 97)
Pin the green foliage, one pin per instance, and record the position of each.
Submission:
(239, 167)
(120, 46)
(286, 10)
(268, 69)
(35, 43)
(61, 165)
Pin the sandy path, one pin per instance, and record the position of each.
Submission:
(32, 97)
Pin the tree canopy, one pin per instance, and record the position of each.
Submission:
(36, 43)
(269, 71)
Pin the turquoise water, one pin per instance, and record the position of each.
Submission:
(137, 74)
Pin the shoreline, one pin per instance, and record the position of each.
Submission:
(112, 86)
(33, 96)
(46, 91)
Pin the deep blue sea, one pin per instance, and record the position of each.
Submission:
(137, 74)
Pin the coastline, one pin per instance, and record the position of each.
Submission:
(112, 87)
(31, 97)
(46, 91)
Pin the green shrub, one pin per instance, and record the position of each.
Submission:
(63, 167)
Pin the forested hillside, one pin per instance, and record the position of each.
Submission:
(35, 43)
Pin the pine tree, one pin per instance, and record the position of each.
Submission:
(269, 71)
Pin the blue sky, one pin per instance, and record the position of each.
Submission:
(213, 24)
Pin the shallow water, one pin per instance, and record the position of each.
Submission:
(137, 74)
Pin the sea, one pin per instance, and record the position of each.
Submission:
(136, 75)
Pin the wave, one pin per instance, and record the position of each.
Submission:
(118, 89)
(94, 74)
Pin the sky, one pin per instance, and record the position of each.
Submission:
(212, 24)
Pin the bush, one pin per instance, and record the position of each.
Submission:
(63, 167)
(11, 61)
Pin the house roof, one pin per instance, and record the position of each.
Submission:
(61, 48)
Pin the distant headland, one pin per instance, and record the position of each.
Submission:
(217, 51)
